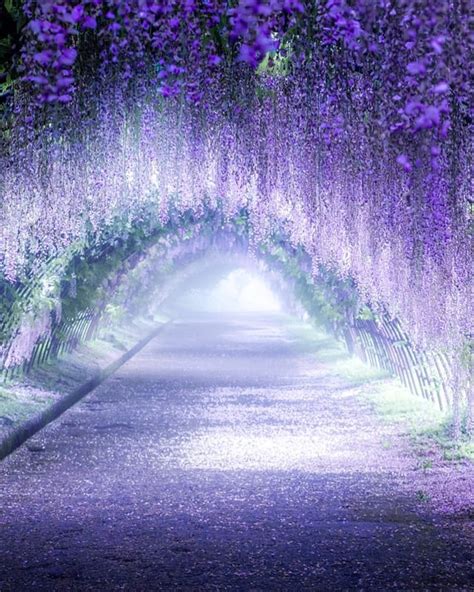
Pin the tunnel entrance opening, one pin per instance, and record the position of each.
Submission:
(240, 290)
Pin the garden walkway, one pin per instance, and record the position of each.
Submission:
(229, 454)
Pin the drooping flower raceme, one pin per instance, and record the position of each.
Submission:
(344, 125)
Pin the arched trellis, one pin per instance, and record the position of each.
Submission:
(67, 333)
(380, 341)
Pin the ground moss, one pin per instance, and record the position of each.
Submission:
(428, 428)
(24, 398)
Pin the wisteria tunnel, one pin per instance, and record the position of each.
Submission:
(236, 296)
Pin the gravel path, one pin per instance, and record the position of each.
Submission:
(224, 456)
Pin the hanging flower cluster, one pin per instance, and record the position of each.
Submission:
(346, 125)
(31, 330)
(183, 41)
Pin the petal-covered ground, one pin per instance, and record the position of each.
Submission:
(230, 454)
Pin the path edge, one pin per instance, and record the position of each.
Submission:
(21, 433)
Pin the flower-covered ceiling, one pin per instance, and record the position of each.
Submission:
(346, 125)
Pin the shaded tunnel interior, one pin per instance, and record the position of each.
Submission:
(124, 279)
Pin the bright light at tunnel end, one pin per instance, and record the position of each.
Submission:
(243, 291)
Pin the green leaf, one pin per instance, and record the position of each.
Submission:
(13, 9)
